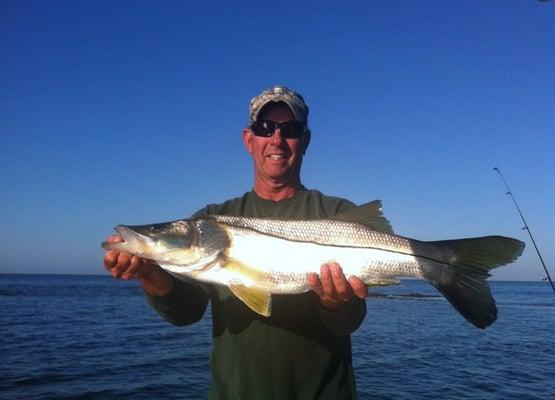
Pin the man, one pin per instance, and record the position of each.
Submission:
(303, 350)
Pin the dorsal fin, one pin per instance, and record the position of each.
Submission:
(369, 214)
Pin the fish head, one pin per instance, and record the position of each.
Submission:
(173, 242)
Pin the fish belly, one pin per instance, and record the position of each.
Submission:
(281, 266)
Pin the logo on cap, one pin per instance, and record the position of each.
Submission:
(278, 94)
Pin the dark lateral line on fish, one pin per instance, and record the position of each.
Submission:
(417, 256)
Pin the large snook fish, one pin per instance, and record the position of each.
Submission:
(257, 257)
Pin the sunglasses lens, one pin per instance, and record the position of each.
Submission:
(268, 128)
(289, 129)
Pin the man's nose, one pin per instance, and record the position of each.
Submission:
(276, 137)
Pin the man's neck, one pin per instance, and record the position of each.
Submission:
(276, 192)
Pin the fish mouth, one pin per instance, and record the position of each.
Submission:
(133, 240)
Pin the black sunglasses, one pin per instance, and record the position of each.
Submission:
(288, 129)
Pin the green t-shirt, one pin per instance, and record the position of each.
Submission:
(301, 351)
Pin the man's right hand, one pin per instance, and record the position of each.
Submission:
(122, 265)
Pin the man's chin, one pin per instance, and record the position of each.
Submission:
(277, 169)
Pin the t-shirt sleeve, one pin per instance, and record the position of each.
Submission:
(183, 305)
(346, 320)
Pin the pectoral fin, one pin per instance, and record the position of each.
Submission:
(257, 300)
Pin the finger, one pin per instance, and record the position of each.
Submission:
(111, 256)
(135, 264)
(114, 238)
(327, 281)
(314, 283)
(110, 259)
(359, 288)
(122, 264)
(142, 268)
(342, 287)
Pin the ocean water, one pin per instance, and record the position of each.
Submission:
(91, 337)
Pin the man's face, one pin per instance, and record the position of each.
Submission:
(276, 159)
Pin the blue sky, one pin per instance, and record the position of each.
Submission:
(131, 112)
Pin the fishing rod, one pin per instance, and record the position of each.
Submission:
(526, 227)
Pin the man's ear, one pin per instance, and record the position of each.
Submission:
(247, 139)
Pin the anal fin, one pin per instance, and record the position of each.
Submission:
(257, 300)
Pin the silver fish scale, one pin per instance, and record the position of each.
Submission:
(279, 282)
(324, 232)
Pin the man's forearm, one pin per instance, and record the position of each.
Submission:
(345, 320)
(156, 282)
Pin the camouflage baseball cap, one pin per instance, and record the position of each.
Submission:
(276, 94)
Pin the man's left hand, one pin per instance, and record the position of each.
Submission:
(333, 289)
